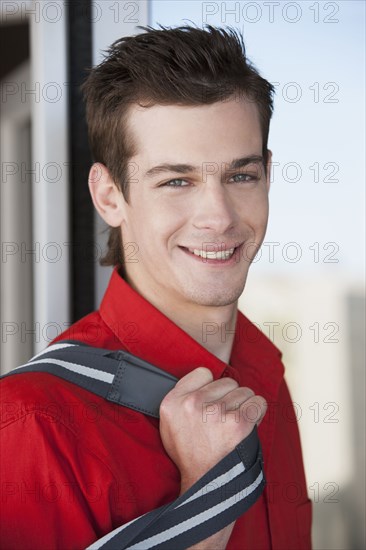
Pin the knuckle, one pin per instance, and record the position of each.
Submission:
(191, 403)
(230, 382)
(204, 372)
(262, 401)
(163, 409)
(252, 411)
(167, 405)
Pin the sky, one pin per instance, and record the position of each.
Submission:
(314, 54)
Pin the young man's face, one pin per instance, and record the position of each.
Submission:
(198, 223)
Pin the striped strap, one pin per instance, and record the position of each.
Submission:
(220, 497)
(117, 376)
(217, 499)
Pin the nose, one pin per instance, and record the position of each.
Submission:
(214, 208)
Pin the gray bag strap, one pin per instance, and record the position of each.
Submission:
(118, 376)
(217, 499)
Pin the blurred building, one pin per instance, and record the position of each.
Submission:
(319, 325)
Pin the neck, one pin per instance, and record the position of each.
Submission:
(212, 327)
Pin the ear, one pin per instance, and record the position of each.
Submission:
(269, 168)
(107, 198)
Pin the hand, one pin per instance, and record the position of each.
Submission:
(202, 420)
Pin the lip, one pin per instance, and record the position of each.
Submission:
(234, 259)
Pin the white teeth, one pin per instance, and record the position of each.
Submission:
(211, 255)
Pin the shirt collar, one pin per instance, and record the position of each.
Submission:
(145, 331)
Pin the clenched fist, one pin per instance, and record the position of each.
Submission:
(202, 420)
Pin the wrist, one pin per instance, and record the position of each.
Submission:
(186, 483)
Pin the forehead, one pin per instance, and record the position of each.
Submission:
(216, 132)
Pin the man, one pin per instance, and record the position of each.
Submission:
(178, 122)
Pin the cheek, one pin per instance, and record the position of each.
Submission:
(260, 207)
(261, 217)
(153, 228)
(167, 217)
(255, 210)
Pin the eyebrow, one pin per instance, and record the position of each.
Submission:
(184, 168)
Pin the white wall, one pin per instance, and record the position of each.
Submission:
(16, 304)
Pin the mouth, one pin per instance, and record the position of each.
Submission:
(222, 255)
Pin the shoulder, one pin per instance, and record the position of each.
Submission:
(44, 398)
(91, 330)
(94, 331)
(50, 416)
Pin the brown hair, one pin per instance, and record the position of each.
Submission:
(166, 66)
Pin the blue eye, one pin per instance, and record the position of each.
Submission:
(244, 178)
(176, 183)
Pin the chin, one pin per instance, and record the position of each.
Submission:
(214, 297)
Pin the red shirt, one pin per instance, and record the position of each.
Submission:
(75, 466)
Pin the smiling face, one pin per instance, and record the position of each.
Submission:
(198, 204)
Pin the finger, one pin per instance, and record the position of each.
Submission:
(254, 409)
(218, 389)
(193, 381)
(234, 399)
